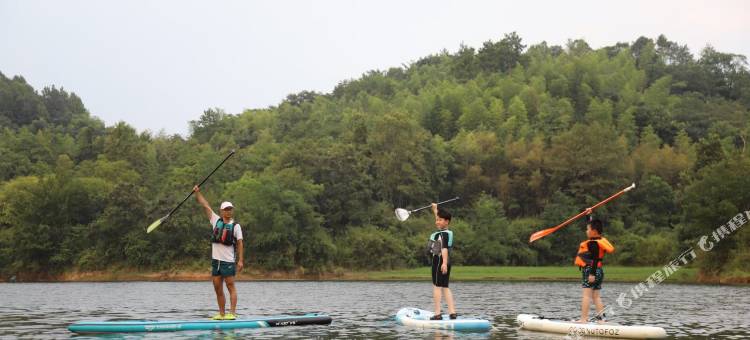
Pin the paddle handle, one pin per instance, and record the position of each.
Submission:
(439, 203)
(203, 181)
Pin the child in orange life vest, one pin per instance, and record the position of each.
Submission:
(589, 259)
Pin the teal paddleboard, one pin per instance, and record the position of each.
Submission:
(192, 325)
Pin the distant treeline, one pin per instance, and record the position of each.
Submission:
(527, 136)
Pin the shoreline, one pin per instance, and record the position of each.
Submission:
(462, 273)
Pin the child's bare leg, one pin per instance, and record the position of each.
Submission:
(449, 300)
(585, 302)
(436, 297)
(598, 302)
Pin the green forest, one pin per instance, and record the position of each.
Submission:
(526, 134)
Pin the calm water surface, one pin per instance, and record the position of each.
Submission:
(360, 309)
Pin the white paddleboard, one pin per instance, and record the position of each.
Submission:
(419, 318)
(536, 323)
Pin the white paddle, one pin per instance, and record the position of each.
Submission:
(403, 214)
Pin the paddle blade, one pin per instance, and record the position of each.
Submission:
(542, 233)
(154, 225)
(402, 214)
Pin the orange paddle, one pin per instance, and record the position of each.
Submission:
(542, 233)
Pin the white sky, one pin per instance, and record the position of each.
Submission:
(158, 64)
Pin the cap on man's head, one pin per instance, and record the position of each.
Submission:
(226, 204)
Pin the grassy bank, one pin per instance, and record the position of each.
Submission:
(460, 273)
(547, 273)
(199, 272)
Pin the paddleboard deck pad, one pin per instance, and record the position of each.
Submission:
(537, 323)
(191, 325)
(421, 318)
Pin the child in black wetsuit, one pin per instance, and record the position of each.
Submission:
(441, 243)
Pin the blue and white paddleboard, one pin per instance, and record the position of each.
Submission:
(192, 325)
(421, 318)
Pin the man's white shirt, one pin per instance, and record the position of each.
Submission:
(220, 251)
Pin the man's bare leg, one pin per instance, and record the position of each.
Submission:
(219, 289)
(232, 293)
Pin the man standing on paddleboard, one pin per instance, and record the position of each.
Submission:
(440, 244)
(589, 260)
(225, 239)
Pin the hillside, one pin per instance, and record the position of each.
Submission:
(527, 135)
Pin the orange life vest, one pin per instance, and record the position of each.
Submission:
(586, 258)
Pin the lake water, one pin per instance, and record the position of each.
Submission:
(361, 309)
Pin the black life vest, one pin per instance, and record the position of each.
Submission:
(223, 233)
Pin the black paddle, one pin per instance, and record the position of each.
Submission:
(159, 221)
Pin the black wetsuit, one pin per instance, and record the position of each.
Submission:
(438, 278)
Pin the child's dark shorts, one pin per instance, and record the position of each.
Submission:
(598, 278)
(438, 278)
